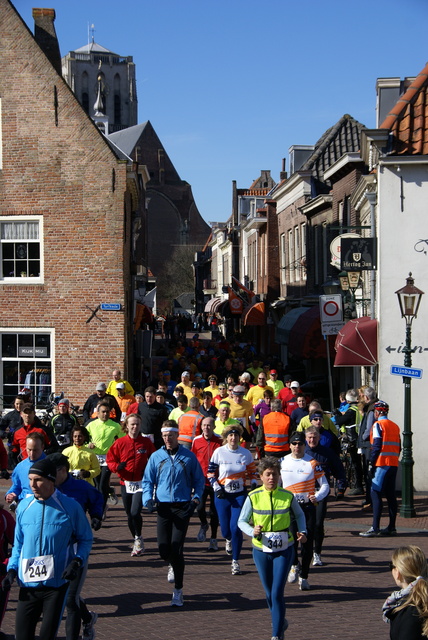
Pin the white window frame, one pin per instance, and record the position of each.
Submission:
(283, 259)
(18, 279)
(302, 250)
(29, 330)
(291, 275)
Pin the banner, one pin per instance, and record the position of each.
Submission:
(235, 303)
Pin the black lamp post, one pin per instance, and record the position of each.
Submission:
(409, 298)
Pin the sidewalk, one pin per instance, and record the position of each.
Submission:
(132, 595)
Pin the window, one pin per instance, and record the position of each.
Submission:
(290, 256)
(303, 251)
(21, 248)
(283, 259)
(26, 362)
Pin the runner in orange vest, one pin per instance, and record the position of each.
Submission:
(385, 451)
(273, 432)
(189, 424)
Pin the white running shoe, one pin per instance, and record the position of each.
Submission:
(138, 548)
(316, 560)
(213, 546)
(171, 576)
(88, 629)
(304, 584)
(228, 547)
(202, 534)
(177, 598)
(293, 574)
(236, 569)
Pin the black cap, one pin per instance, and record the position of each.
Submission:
(44, 468)
(298, 436)
(59, 460)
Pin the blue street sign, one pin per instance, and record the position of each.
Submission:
(110, 306)
(408, 372)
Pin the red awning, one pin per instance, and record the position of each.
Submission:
(254, 315)
(356, 343)
(306, 340)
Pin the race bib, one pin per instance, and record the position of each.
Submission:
(37, 569)
(234, 486)
(273, 541)
(102, 460)
(133, 486)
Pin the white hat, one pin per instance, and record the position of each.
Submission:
(294, 385)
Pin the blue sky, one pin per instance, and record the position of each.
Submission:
(230, 85)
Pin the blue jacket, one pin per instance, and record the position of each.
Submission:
(173, 478)
(20, 482)
(85, 494)
(50, 527)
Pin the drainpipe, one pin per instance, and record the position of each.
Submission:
(372, 197)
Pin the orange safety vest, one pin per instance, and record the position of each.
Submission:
(276, 426)
(189, 426)
(390, 451)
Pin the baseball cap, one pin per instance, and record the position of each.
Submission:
(294, 384)
(273, 371)
(120, 385)
(239, 390)
(298, 437)
(101, 386)
(64, 401)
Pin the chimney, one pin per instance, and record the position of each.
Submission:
(45, 36)
(283, 173)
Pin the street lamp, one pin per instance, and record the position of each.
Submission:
(409, 299)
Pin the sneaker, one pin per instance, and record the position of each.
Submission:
(358, 491)
(88, 629)
(388, 532)
(213, 546)
(370, 533)
(293, 574)
(202, 535)
(177, 598)
(112, 498)
(138, 548)
(171, 576)
(304, 584)
(316, 560)
(236, 569)
(228, 547)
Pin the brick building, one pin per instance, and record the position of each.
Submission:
(72, 223)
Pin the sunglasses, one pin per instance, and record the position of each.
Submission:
(316, 419)
(297, 444)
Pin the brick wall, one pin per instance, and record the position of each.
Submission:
(56, 164)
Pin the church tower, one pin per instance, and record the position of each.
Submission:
(99, 76)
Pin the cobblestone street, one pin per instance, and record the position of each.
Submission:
(132, 595)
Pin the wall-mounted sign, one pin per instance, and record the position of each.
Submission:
(358, 254)
(32, 352)
(110, 306)
(335, 248)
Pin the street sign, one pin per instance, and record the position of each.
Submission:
(407, 372)
(110, 306)
(331, 315)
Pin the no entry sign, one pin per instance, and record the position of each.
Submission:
(331, 315)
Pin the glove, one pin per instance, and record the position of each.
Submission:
(220, 493)
(371, 470)
(84, 474)
(8, 580)
(121, 466)
(5, 474)
(191, 508)
(150, 506)
(95, 524)
(72, 570)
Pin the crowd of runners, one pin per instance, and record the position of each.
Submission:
(216, 432)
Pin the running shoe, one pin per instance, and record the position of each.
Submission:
(138, 548)
(213, 546)
(357, 491)
(177, 598)
(316, 560)
(202, 534)
(293, 574)
(88, 629)
(370, 533)
(171, 577)
(112, 498)
(236, 569)
(228, 547)
(304, 584)
(388, 532)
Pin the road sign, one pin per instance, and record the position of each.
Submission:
(407, 372)
(110, 306)
(331, 315)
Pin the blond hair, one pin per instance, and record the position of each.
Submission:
(411, 563)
